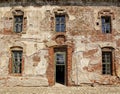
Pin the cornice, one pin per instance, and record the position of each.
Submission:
(60, 2)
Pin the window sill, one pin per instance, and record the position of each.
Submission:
(107, 33)
(60, 32)
(23, 32)
(107, 75)
(15, 74)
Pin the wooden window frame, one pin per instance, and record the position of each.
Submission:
(18, 13)
(11, 62)
(104, 13)
(15, 17)
(104, 24)
(107, 63)
(64, 23)
(111, 51)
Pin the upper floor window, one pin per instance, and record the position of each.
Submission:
(60, 23)
(18, 17)
(18, 23)
(106, 24)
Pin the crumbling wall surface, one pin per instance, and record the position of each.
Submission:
(87, 56)
(32, 41)
(83, 29)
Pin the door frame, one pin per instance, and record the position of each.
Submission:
(50, 73)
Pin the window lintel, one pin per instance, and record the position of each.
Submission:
(106, 12)
(17, 48)
(106, 49)
(17, 12)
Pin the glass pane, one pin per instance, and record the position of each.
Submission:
(18, 22)
(106, 62)
(62, 28)
(60, 23)
(103, 20)
(57, 18)
(60, 59)
(108, 28)
(17, 64)
(106, 24)
(58, 28)
(63, 19)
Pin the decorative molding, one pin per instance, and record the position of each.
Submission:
(106, 12)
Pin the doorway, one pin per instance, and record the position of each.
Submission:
(60, 65)
(52, 74)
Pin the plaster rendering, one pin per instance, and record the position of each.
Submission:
(83, 45)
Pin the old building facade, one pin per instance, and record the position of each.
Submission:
(71, 42)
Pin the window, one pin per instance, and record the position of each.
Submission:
(60, 58)
(16, 62)
(60, 23)
(106, 62)
(18, 23)
(106, 24)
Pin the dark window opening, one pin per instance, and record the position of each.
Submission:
(107, 63)
(16, 61)
(106, 24)
(18, 23)
(60, 23)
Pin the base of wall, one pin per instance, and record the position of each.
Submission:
(23, 81)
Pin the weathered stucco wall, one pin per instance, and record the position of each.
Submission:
(39, 32)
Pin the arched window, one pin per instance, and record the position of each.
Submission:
(18, 21)
(107, 60)
(16, 60)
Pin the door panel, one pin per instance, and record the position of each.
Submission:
(60, 74)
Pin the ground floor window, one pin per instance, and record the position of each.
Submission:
(16, 61)
(107, 60)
